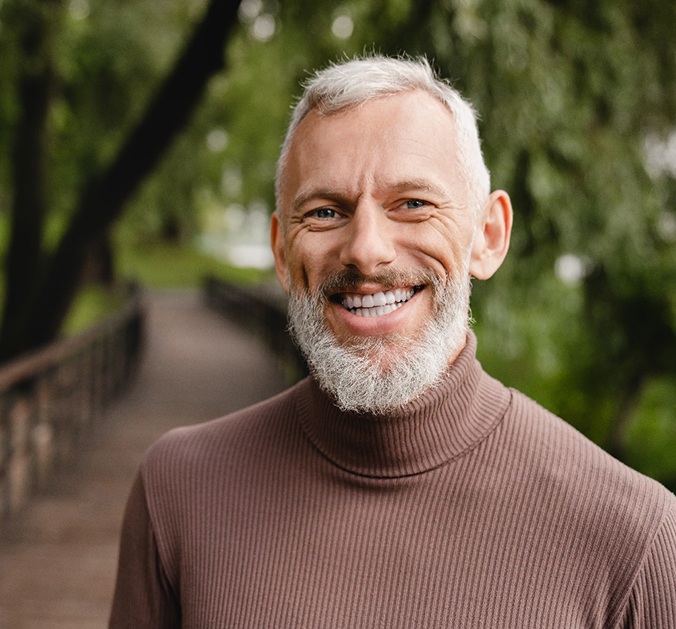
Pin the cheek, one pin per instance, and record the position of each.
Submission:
(305, 267)
(457, 257)
(445, 256)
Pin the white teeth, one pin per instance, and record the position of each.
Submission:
(377, 304)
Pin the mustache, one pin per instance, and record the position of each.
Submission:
(350, 280)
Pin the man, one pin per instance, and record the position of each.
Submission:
(398, 486)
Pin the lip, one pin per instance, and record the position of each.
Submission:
(368, 316)
(375, 303)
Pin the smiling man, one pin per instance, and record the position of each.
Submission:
(384, 213)
(399, 486)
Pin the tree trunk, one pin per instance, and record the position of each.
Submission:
(29, 164)
(103, 198)
(99, 265)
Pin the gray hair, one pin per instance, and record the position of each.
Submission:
(345, 85)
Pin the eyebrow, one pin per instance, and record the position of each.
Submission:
(417, 184)
(422, 185)
(317, 193)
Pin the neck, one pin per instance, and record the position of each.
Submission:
(438, 426)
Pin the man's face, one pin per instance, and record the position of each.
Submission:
(374, 196)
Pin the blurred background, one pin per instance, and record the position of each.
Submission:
(138, 141)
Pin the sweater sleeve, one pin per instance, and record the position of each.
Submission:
(143, 595)
(652, 602)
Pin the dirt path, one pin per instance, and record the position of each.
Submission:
(58, 558)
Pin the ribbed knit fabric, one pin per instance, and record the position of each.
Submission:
(474, 508)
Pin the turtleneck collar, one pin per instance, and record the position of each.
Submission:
(439, 426)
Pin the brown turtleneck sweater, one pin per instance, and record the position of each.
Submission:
(474, 508)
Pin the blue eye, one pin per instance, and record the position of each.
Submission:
(323, 212)
(414, 204)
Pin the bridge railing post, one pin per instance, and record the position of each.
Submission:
(51, 397)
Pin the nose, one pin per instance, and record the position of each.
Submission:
(369, 241)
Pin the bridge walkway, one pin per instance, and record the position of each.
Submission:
(58, 556)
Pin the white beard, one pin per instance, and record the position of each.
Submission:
(361, 376)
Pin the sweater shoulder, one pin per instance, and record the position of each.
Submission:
(599, 513)
(228, 437)
(564, 457)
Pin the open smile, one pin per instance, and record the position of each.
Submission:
(376, 304)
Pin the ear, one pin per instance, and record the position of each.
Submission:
(278, 249)
(491, 240)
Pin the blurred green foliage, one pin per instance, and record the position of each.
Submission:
(578, 111)
(166, 265)
(92, 305)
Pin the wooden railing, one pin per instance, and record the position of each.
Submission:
(262, 311)
(49, 398)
